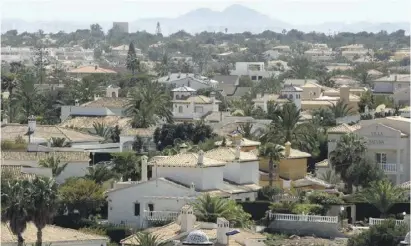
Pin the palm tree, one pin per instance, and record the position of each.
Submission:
(246, 129)
(100, 129)
(148, 104)
(326, 80)
(285, 127)
(14, 206)
(341, 109)
(330, 177)
(43, 204)
(147, 239)
(169, 150)
(350, 149)
(300, 67)
(208, 208)
(59, 142)
(53, 163)
(26, 94)
(383, 195)
(100, 173)
(275, 153)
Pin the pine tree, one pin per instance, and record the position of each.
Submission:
(132, 63)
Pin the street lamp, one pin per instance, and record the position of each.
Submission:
(31, 126)
(342, 215)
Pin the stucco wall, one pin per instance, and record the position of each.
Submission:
(203, 178)
(288, 168)
(303, 228)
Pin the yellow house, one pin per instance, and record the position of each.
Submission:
(292, 167)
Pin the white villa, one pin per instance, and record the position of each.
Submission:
(177, 180)
(188, 105)
(388, 144)
(255, 70)
(289, 93)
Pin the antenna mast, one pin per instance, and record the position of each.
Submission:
(158, 29)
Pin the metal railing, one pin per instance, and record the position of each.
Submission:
(302, 217)
(391, 167)
(374, 221)
(160, 215)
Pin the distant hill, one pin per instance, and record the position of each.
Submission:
(235, 18)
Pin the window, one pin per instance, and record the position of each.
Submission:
(381, 158)
(253, 77)
(291, 96)
(260, 77)
(177, 97)
(151, 208)
(136, 209)
(180, 109)
(198, 109)
(113, 94)
(247, 199)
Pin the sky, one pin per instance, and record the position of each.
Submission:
(296, 12)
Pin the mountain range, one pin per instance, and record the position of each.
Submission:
(235, 18)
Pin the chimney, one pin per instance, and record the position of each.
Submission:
(187, 218)
(192, 189)
(237, 152)
(345, 93)
(200, 161)
(287, 149)
(144, 173)
(223, 226)
(76, 103)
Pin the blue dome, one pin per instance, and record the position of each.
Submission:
(197, 237)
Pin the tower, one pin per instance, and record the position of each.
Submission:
(158, 30)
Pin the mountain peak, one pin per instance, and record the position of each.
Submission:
(238, 8)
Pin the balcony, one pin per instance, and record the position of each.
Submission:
(391, 167)
(160, 215)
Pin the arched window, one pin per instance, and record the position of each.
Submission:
(180, 109)
(177, 97)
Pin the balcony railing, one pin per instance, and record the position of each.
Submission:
(160, 215)
(374, 221)
(306, 218)
(391, 167)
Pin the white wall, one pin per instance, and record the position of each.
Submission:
(242, 173)
(121, 202)
(66, 111)
(66, 243)
(203, 178)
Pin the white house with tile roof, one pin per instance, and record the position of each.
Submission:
(109, 105)
(52, 235)
(388, 144)
(78, 162)
(187, 105)
(187, 79)
(177, 180)
(187, 230)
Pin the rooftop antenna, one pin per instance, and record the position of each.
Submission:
(158, 29)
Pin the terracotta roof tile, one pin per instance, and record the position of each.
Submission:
(51, 234)
(107, 102)
(186, 160)
(36, 156)
(12, 131)
(91, 69)
(244, 142)
(227, 154)
(343, 128)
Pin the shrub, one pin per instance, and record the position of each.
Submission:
(385, 234)
(10, 145)
(324, 199)
(283, 207)
(306, 208)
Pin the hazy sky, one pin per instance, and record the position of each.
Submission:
(291, 11)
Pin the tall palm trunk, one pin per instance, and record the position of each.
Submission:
(20, 240)
(39, 237)
(270, 171)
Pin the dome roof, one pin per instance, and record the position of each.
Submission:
(197, 238)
